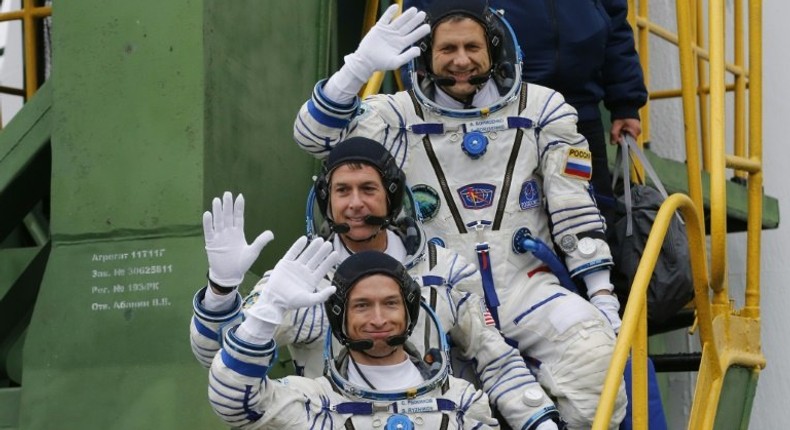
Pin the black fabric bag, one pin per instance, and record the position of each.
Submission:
(671, 286)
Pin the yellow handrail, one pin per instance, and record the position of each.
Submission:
(373, 86)
(632, 340)
(28, 15)
(729, 337)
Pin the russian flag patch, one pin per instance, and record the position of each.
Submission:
(578, 164)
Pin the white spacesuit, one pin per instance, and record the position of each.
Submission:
(500, 370)
(485, 177)
(244, 397)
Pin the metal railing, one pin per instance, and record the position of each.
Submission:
(29, 14)
(728, 336)
(373, 86)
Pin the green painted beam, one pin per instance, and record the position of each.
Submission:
(9, 407)
(157, 108)
(25, 160)
(675, 178)
(737, 396)
(21, 270)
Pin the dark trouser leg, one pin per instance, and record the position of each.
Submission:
(601, 178)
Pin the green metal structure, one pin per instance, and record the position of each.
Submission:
(152, 109)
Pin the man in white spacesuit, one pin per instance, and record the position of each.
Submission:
(493, 161)
(374, 306)
(360, 194)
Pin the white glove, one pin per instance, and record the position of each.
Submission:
(384, 47)
(547, 425)
(229, 255)
(610, 307)
(295, 280)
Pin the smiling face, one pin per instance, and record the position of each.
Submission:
(356, 191)
(376, 311)
(460, 50)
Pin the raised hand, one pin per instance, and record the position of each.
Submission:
(384, 47)
(295, 282)
(229, 255)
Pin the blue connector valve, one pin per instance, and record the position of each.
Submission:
(523, 242)
(399, 422)
(474, 144)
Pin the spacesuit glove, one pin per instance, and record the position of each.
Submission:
(295, 280)
(229, 255)
(610, 307)
(547, 425)
(386, 46)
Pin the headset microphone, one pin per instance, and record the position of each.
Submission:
(447, 81)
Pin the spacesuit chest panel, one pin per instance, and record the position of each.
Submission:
(439, 171)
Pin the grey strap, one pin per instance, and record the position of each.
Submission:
(628, 146)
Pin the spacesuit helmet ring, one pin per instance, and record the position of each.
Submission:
(503, 50)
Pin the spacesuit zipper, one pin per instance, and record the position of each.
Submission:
(432, 304)
(511, 164)
(437, 168)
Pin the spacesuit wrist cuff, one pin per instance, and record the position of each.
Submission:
(215, 315)
(218, 303)
(256, 331)
(343, 86)
(597, 281)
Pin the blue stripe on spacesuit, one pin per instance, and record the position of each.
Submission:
(323, 143)
(330, 105)
(547, 147)
(537, 305)
(250, 414)
(251, 349)
(515, 387)
(432, 280)
(309, 337)
(246, 369)
(519, 122)
(513, 363)
(428, 128)
(543, 110)
(603, 262)
(206, 353)
(400, 137)
(214, 316)
(205, 331)
(324, 414)
(467, 398)
(457, 276)
(597, 223)
(237, 402)
(556, 118)
(323, 118)
(489, 292)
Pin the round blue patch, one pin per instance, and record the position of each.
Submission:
(474, 144)
(399, 422)
(427, 201)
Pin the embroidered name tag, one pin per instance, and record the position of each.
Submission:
(486, 125)
(417, 405)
